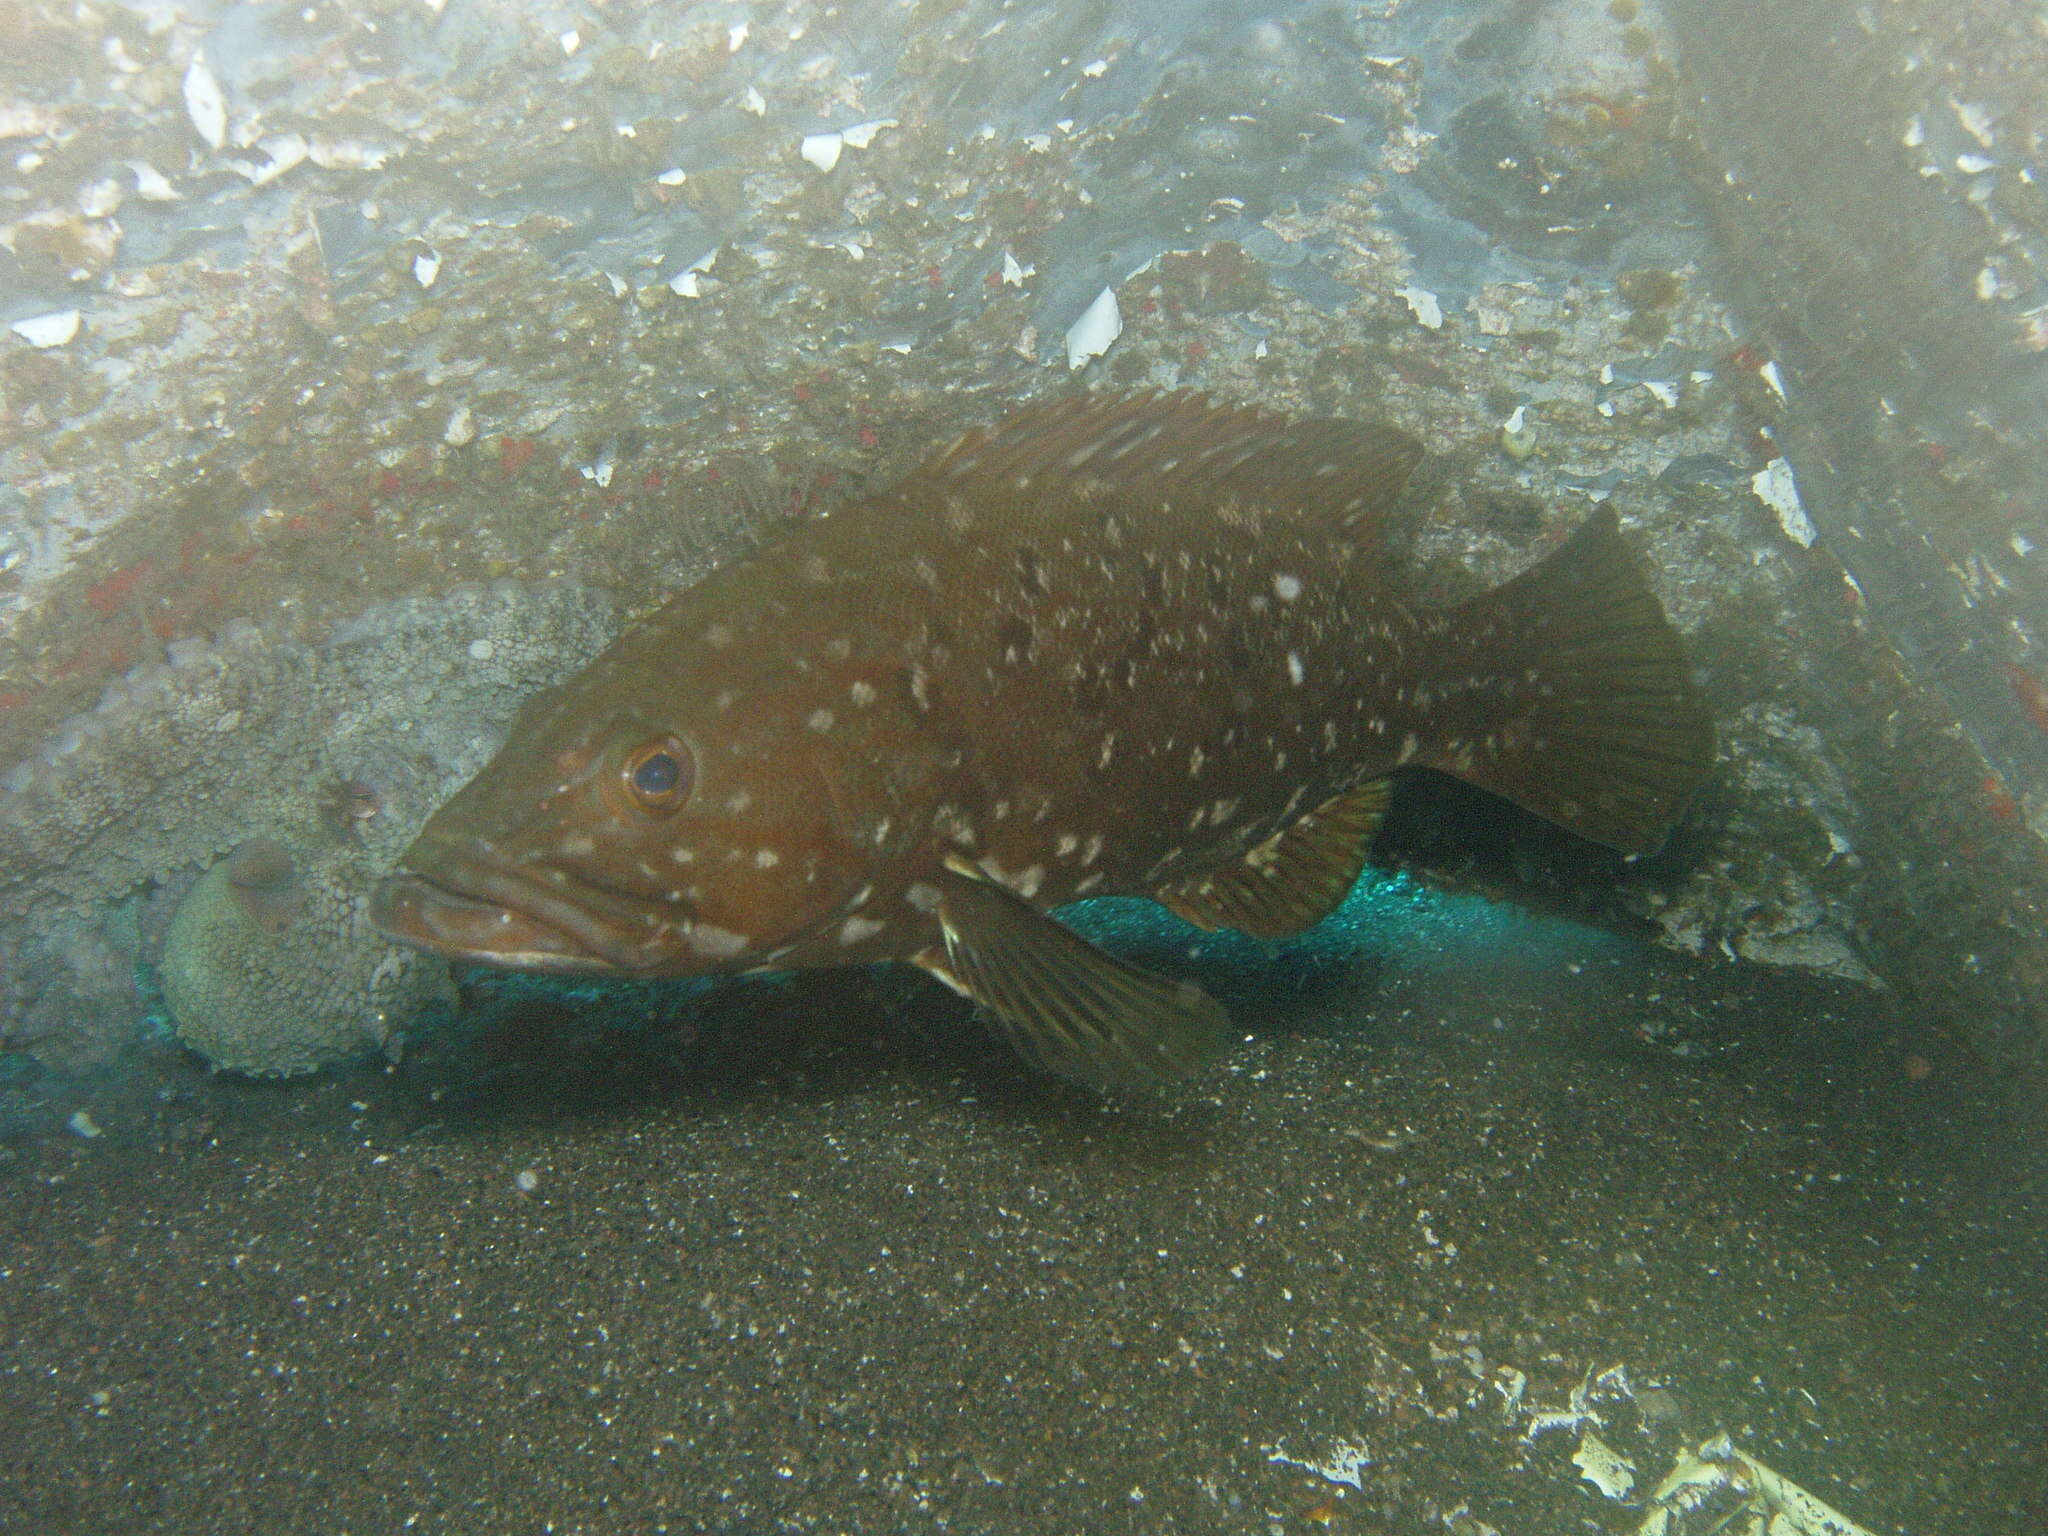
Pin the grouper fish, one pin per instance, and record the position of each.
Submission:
(1109, 646)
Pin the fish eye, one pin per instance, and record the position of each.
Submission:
(658, 774)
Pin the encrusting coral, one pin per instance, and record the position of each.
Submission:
(315, 765)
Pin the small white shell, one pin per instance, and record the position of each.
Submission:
(821, 149)
(204, 102)
(51, 330)
(100, 198)
(861, 135)
(1099, 326)
(151, 185)
(1423, 305)
(1776, 489)
(1613, 1475)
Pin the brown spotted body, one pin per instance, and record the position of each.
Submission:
(1110, 647)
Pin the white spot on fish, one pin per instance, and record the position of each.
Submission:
(739, 802)
(766, 858)
(683, 855)
(1066, 845)
(716, 943)
(1195, 760)
(863, 694)
(922, 896)
(855, 929)
(1093, 851)
(578, 847)
(1409, 746)
(821, 720)
(1286, 588)
(718, 637)
(1295, 673)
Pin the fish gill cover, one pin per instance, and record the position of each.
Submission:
(312, 312)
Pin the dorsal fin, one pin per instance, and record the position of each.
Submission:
(1186, 450)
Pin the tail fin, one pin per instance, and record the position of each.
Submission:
(1616, 736)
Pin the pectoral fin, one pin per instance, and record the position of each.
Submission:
(1065, 1005)
(1295, 878)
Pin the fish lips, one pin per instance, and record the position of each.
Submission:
(415, 911)
(460, 903)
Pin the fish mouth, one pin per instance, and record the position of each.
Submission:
(477, 910)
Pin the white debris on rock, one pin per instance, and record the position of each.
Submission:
(1097, 329)
(204, 103)
(1776, 488)
(1775, 1503)
(1429, 313)
(823, 149)
(1612, 1474)
(151, 185)
(282, 151)
(1344, 1463)
(51, 330)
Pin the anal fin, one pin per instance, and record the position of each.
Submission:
(1295, 878)
(1067, 1006)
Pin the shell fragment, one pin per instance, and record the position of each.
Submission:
(1099, 326)
(51, 330)
(1429, 314)
(822, 149)
(204, 103)
(1613, 1475)
(1777, 489)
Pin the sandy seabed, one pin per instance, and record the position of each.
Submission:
(872, 1276)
